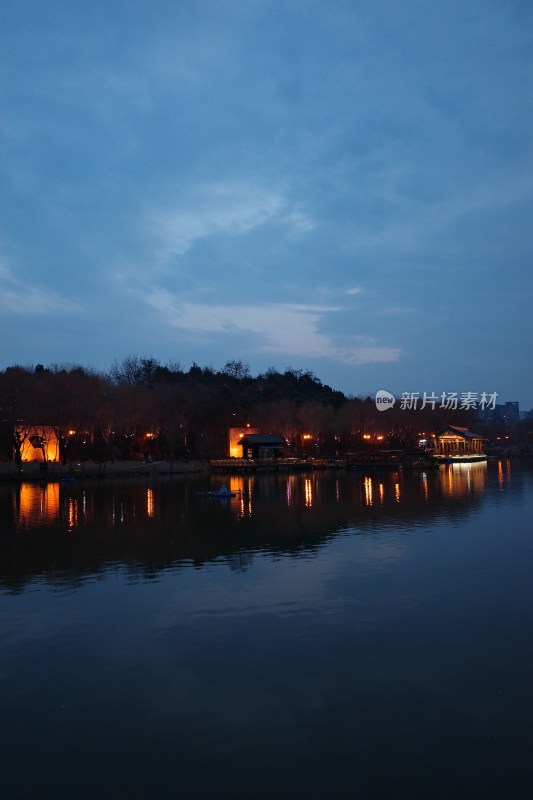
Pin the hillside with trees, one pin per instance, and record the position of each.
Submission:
(143, 408)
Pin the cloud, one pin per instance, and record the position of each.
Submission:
(374, 355)
(227, 208)
(278, 328)
(17, 297)
(415, 223)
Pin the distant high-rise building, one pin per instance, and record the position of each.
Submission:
(506, 413)
(510, 412)
(488, 415)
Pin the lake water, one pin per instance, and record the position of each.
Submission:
(320, 635)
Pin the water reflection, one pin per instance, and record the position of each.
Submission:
(72, 513)
(170, 520)
(463, 479)
(504, 473)
(150, 502)
(308, 493)
(35, 504)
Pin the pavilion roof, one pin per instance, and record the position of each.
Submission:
(264, 439)
(458, 431)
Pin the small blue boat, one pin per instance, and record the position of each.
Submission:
(223, 492)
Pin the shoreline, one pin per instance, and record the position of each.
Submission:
(55, 471)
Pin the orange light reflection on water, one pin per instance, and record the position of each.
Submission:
(368, 491)
(242, 486)
(308, 490)
(500, 475)
(460, 480)
(38, 503)
(150, 502)
(72, 513)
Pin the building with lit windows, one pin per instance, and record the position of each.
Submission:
(458, 444)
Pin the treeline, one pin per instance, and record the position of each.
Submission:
(143, 408)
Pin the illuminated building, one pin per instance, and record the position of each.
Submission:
(40, 443)
(454, 441)
(262, 445)
(234, 437)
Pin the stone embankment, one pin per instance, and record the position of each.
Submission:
(53, 471)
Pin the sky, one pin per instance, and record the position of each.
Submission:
(342, 186)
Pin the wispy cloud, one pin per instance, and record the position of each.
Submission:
(228, 208)
(17, 297)
(277, 328)
(415, 224)
(254, 156)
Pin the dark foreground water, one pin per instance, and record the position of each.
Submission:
(334, 635)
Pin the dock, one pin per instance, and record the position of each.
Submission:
(242, 465)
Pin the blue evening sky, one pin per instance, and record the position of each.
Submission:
(344, 186)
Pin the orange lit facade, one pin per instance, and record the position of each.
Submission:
(234, 437)
(40, 443)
